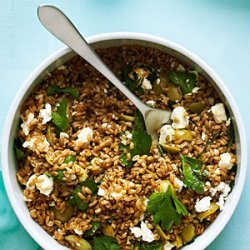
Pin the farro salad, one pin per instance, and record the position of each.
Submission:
(91, 175)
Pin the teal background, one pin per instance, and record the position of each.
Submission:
(216, 30)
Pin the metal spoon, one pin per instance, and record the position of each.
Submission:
(55, 21)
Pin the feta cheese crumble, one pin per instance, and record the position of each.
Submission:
(143, 232)
(26, 125)
(46, 113)
(203, 136)
(221, 202)
(101, 192)
(228, 122)
(168, 246)
(31, 183)
(146, 84)
(151, 103)
(178, 183)
(203, 204)
(63, 135)
(180, 118)
(219, 112)
(195, 90)
(78, 231)
(38, 142)
(225, 161)
(180, 68)
(166, 133)
(44, 184)
(225, 189)
(115, 195)
(85, 135)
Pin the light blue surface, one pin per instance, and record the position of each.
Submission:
(216, 30)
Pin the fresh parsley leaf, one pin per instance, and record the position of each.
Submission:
(91, 184)
(142, 141)
(20, 155)
(185, 80)
(192, 173)
(132, 84)
(124, 161)
(59, 177)
(69, 158)
(81, 204)
(139, 121)
(171, 104)
(126, 70)
(59, 118)
(95, 227)
(166, 209)
(105, 243)
(151, 246)
(73, 92)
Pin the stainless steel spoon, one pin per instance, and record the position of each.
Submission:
(55, 21)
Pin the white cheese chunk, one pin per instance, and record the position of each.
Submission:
(63, 135)
(136, 231)
(219, 112)
(151, 103)
(180, 118)
(38, 142)
(228, 122)
(225, 190)
(178, 183)
(144, 232)
(85, 135)
(225, 161)
(44, 184)
(26, 125)
(203, 204)
(30, 144)
(207, 186)
(101, 192)
(46, 113)
(223, 187)
(180, 68)
(203, 136)
(166, 132)
(146, 84)
(78, 231)
(116, 195)
(195, 90)
(221, 202)
(31, 183)
(168, 246)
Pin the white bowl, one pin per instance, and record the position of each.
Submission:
(9, 165)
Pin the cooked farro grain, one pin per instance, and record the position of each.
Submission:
(89, 170)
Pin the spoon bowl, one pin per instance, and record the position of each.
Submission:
(55, 21)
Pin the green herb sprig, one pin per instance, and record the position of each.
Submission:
(166, 209)
(75, 199)
(59, 118)
(193, 175)
(105, 243)
(186, 81)
(142, 142)
(73, 92)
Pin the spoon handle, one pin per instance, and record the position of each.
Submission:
(55, 21)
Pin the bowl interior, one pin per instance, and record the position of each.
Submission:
(14, 190)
